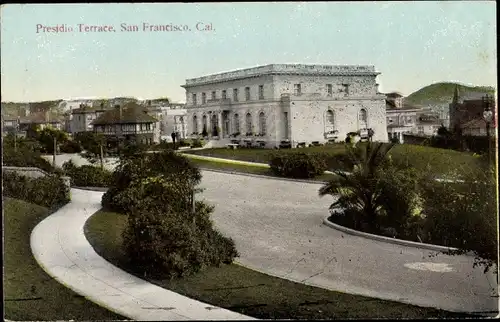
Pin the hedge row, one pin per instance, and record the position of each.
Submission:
(49, 191)
(87, 175)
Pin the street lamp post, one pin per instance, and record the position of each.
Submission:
(488, 116)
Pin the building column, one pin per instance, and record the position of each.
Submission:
(219, 124)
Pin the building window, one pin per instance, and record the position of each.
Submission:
(224, 94)
(203, 98)
(420, 130)
(261, 92)
(262, 123)
(235, 94)
(204, 123)
(363, 119)
(297, 89)
(236, 123)
(214, 95)
(345, 89)
(330, 118)
(249, 123)
(329, 89)
(194, 99)
(247, 93)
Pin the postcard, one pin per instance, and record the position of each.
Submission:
(240, 161)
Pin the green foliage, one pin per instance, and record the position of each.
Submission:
(464, 216)
(443, 93)
(298, 165)
(49, 191)
(197, 143)
(361, 192)
(87, 175)
(92, 143)
(23, 153)
(164, 237)
(167, 245)
(46, 138)
(70, 146)
(132, 169)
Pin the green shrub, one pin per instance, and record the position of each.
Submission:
(197, 143)
(24, 157)
(169, 245)
(70, 146)
(87, 175)
(298, 165)
(464, 216)
(130, 172)
(49, 191)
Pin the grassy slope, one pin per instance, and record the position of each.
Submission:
(441, 161)
(249, 292)
(440, 93)
(31, 294)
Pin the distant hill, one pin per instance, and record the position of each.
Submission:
(442, 93)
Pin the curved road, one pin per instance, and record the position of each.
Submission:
(277, 227)
(278, 230)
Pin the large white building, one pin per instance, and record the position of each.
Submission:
(300, 104)
(171, 118)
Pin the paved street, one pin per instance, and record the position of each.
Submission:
(277, 226)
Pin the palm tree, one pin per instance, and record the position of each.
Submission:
(360, 193)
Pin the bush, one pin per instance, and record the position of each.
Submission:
(298, 165)
(87, 175)
(24, 157)
(70, 147)
(167, 166)
(464, 216)
(197, 143)
(49, 191)
(169, 245)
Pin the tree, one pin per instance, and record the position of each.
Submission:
(48, 135)
(443, 131)
(360, 193)
(94, 145)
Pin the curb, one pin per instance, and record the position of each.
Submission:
(261, 176)
(388, 239)
(100, 189)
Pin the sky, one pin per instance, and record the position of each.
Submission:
(412, 44)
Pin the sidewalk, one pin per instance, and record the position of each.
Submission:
(59, 246)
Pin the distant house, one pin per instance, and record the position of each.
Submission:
(401, 117)
(40, 120)
(466, 113)
(129, 123)
(82, 118)
(428, 123)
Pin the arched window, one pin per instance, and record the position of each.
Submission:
(330, 118)
(249, 123)
(262, 123)
(204, 123)
(195, 124)
(236, 123)
(363, 119)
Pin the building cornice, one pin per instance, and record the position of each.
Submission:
(283, 69)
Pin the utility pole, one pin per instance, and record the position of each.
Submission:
(54, 155)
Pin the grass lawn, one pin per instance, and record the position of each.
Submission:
(29, 293)
(251, 293)
(440, 161)
(241, 168)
